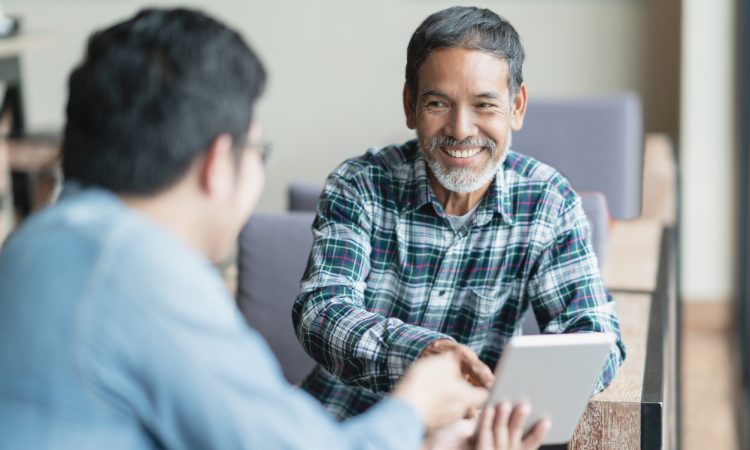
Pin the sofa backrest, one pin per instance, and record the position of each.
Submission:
(273, 254)
(596, 143)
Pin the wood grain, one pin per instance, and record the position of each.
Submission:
(659, 179)
(612, 419)
(633, 261)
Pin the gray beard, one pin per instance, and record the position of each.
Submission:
(465, 179)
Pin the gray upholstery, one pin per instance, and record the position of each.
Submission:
(595, 207)
(273, 253)
(303, 196)
(596, 143)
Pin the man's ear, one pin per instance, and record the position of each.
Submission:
(217, 168)
(411, 114)
(518, 108)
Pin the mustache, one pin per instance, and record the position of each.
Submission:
(436, 142)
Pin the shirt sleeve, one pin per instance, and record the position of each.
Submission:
(566, 291)
(197, 377)
(332, 323)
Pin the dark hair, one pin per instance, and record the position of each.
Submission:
(465, 27)
(151, 95)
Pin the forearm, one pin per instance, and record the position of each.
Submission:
(359, 347)
(598, 315)
(601, 319)
(614, 361)
(390, 424)
(568, 294)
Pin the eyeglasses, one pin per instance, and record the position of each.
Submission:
(264, 149)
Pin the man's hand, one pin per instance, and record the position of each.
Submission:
(436, 389)
(501, 428)
(456, 436)
(473, 369)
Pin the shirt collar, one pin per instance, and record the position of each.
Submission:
(497, 200)
(422, 192)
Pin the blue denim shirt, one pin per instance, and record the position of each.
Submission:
(115, 334)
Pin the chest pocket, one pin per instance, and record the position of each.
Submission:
(476, 314)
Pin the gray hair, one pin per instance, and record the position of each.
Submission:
(465, 27)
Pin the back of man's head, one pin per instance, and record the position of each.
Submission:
(151, 95)
(465, 27)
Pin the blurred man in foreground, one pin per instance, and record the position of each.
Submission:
(115, 329)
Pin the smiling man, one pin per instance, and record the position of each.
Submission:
(442, 243)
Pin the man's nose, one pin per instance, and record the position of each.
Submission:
(461, 124)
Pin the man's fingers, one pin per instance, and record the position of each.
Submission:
(478, 373)
(437, 347)
(502, 434)
(475, 397)
(536, 436)
(473, 413)
(501, 427)
(456, 436)
(515, 425)
(483, 374)
(485, 437)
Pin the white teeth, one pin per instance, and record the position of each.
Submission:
(463, 153)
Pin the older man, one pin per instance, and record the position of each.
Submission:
(115, 329)
(442, 243)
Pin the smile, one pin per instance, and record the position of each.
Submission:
(462, 153)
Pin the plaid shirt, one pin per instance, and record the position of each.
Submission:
(388, 274)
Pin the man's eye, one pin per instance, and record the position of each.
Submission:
(436, 104)
(485, 106)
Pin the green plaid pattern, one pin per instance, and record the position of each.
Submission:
(388, 274)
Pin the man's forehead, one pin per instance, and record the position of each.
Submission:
(491, 94)
(479, 71)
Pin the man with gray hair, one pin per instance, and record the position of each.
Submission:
(441, 244)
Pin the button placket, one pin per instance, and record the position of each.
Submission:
(442, 286)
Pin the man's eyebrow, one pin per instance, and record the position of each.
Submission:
(434, 92)
(490, 94)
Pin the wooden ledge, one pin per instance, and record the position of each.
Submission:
(613, 417)
(633, 262)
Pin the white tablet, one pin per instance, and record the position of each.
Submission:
(555, 374)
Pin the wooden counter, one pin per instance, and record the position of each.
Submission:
(613, 417)
(640, 409)
(633, 261)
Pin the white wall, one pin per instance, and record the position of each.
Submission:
(707, 149)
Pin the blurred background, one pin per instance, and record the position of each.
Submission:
(337, 71)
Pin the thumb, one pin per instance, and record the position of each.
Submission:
(483, 375)
(473, 396)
